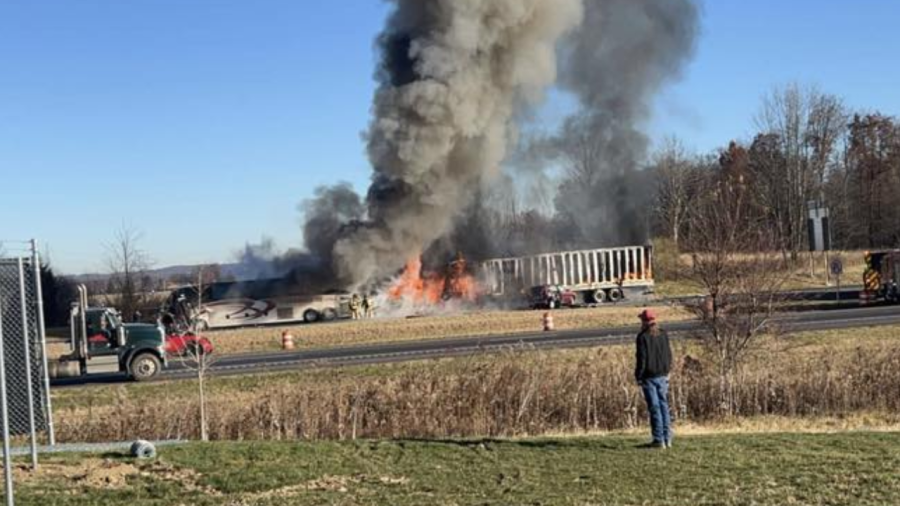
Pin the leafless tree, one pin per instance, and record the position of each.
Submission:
(873, 181)
(803, 127)
(735, 265)
(678, 179)
(127, 264)
(199, 360)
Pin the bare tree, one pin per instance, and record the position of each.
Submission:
(803, 127)
(678, 179)
(736, 267)
(127, 264)
(873, 181)
(198, 359)
(200, 362)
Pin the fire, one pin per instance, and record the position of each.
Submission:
(434, 288)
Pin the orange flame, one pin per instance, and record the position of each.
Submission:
(433, 288)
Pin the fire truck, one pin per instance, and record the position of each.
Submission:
(593, 276)
(882, 274)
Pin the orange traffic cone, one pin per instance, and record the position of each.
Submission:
(287, 341)
(548, 322)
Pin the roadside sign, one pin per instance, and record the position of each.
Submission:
(837, 266)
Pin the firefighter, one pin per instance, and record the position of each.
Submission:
(354, 307)
(368, 307)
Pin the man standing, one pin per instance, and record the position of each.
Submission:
(365, 306)
(654, 360)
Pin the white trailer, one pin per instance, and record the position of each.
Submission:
(597, 275)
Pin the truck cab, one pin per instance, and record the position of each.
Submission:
(102, 343)
(552, 297)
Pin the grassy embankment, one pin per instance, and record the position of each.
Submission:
(749, 469)
(841, 379)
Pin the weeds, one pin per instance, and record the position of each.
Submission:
(515, 394)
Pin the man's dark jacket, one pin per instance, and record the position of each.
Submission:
(654, 356)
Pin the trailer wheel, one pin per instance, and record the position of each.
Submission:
(599, 297)
(311, 316)
(145, 366)
(615, 295)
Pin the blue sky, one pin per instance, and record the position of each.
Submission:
(204, 123)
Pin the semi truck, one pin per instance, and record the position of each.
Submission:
(101, 343)
(592, 276)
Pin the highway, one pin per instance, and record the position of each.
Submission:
(280, 361)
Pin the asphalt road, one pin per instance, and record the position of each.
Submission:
(280, 361)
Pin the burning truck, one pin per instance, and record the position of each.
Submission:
(544, 281)
(549, 280)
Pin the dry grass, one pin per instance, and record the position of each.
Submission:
(431, 327)
(810, 272)
(855, 376)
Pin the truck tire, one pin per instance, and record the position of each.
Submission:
(311, 316)
(615, 295)
(144, 366)
(599, 296)
(551, 304)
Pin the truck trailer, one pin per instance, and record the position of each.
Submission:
(595, 276)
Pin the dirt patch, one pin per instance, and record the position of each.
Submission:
(93, 473)
(189, 479)
(109, 474)
(327, 483)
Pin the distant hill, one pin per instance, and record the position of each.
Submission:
(238, 271)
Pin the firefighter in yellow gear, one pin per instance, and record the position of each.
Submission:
(354, 307)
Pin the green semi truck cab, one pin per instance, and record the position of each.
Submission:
(101, 343)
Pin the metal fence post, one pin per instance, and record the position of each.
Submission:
(42, 338)
(26, 341)
(4, 419)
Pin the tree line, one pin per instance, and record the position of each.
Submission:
(808, 147)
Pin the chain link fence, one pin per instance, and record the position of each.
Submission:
(23, 346)
(24, 382)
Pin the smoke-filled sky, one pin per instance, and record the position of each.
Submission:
(205, 123)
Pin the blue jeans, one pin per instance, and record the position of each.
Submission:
(656, 393)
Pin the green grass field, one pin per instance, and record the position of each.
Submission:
(823, 469)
